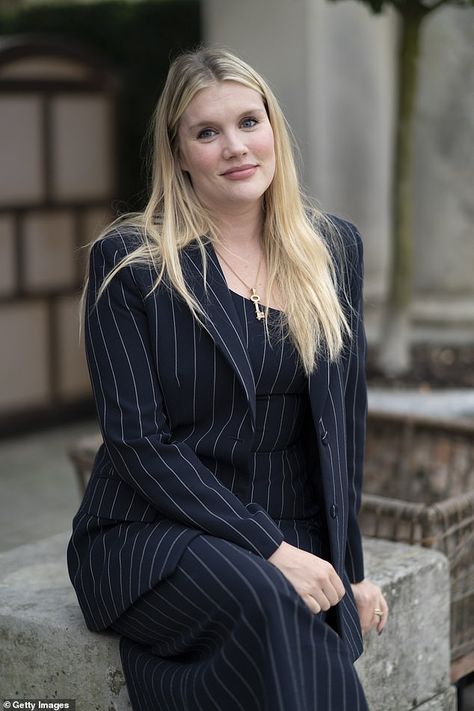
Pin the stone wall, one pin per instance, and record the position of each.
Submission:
(57, 177)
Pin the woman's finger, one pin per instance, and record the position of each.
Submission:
(321, 599)
(312, 603)
(338, 586)
(382, 618)
(365, 625)
(333, 593)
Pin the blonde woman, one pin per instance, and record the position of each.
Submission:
(224, 336)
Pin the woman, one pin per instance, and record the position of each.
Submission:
(218, 534)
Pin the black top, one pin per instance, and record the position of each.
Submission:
(280, 481)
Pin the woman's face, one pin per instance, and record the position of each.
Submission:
(226, 145)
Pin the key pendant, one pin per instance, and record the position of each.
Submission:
(258, 312)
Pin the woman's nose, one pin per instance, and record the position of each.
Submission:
(233, 146)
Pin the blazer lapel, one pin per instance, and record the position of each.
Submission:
(222, 320)
(225, 328)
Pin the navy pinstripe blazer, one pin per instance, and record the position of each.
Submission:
(176, 405)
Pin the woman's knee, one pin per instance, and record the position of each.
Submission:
(233, 575)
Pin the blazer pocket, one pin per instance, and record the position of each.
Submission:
(114, 499)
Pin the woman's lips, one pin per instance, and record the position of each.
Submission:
(240, 173)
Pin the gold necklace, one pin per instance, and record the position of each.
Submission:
(253, 292)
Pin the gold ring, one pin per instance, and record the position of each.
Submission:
(378, 612)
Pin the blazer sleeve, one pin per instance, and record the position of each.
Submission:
(356, 417)
(166, 473)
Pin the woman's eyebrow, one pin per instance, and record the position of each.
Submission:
(210, 122)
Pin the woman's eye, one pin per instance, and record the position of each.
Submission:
(249, 122)
(206, 133)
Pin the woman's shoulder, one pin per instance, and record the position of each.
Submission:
(345, 244)
(118, 241)
(345, 231)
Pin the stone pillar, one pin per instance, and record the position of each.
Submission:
(352, 103)
(444, 164)
(333, 68)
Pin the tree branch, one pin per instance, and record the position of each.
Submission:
(413, 8)
(399, 5)
(435, 6)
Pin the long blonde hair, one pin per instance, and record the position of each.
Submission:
(298, 257)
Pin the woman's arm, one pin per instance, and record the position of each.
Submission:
(315, 579)
(168, 474)
(356, 416)
(370, 601)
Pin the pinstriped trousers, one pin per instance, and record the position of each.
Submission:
(227, 632)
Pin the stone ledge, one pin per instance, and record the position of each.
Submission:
(47, 651)
(446, 701)
(408, 665)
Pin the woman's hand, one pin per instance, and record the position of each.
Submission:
(371, 605)
(314, 579)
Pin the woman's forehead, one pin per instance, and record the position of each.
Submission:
(219, 98)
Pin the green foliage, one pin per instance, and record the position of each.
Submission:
(137, 39)
(409, 6)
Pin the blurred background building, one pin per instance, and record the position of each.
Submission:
(78, 83)
(57, 176)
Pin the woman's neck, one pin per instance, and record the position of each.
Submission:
(241, 234)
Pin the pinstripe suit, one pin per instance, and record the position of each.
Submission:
(177, 407)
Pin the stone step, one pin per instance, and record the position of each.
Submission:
(47, 652)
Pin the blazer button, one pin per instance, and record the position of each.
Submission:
(324, 436)
(333, 511)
